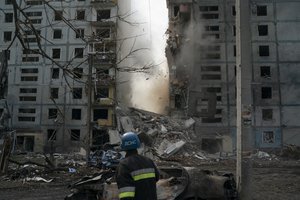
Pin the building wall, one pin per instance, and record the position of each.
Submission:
(274, 114)
(35, 112)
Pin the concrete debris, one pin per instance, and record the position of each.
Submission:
(291, 152)
(190, 122)
(37, 179)
(126, 123)
(261, 154)
(174, 148)
(163, 129)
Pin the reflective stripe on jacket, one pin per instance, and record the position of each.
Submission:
(136, 178)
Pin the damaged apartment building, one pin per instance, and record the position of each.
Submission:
(201, 54)
(48, 98)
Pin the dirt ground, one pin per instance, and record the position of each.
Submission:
(274, 180)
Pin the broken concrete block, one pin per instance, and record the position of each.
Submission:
(126, 124)
(152, 132)
(188, 123)
(174, 148)
(163, 129)
(163, 146)
(114, 137)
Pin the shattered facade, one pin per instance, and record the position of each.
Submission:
(201, 54)
(48, 103)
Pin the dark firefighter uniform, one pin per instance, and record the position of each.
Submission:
(136, 178)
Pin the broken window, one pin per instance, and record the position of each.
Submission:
(210, 16)
(102, 93)
(8, 2)
(103, 14)
(176, 11)
(100, 137)
(234, 50)
(77, 93)
(212, 28)
(26, 110)
(33, 14)
(30, 55)
(100, 114)
(29, 70)
(268, 137)
(266, 92)
(58, 15)
(211, 77)
(234, 30)
(28, 90)
(103, 33)
(80, 14)
(210, 68)
(54, 93)
(9, 17)
(56, 53)
(263, 30)
(57, 34)
(75, 134)
(78, 52)
(7, 36)
(51, 134)
(233, 11)
(264, 50)
(261, 10)
(29, 78)
(26, 119)
(52, 113)
(55, 73)
(27, 98)
(265, 71)
(76, 114)
(79, 33)
(267, 114)
(77, 72)
(25, 143)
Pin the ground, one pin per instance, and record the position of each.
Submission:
(271, 179)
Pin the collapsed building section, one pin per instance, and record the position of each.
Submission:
(202, 54)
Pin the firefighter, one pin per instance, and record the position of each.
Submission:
(136, 175)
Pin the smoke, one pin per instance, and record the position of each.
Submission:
(149, 21)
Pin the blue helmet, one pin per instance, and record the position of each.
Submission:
(130, 141)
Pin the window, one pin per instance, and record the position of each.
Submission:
(33, 14)
(263, 30)
(7, 36)
(208, 8)
(8, 2)
(27, 98)
(267, 114)
(34, 2)
(100, 114)
(212, 28)
(29, 78)
(58, 15)
(79, 33)
(30, 71)
(264, 50)
(9, 17)
(261, 10)
(265, 71)
(78, 52)
(77, 93)
(51, 134)
(56, 53)
(103, 33)
(28, 90)
(211, 77)
(102, 93)
(234, 50)
(77, 73)
(30, 55)
(52, 113)
(26, 119)
(210, 68)
(234, 30)
(57, 34)
(55, 73)
(268, 137)
(176, 11)
(54, 93)
(80, 14)
(211, 120)
(210, 16)
(76, 114)
(103, 14)
(75, 134)
(27, 110)
(266, 92)
(233, 11)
